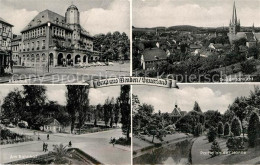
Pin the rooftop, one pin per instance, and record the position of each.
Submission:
(5, 22)
(154, 54)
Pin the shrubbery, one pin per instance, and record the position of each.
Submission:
(220, 128)
(215, 149)
(253, 129)
(8, 137)
(236, 127)
(235, 143)
(227, 129)
(212, 134)
(198, 130)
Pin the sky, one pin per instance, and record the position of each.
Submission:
(96, 16)
(57, 93)
(202, 13)
(209, 96)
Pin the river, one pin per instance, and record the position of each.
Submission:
(173, 153)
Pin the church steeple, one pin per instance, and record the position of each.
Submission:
(234, 16)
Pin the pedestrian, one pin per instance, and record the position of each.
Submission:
(43, 146)
(48, 136)
(46, 147)
(70, 144)
(39, 138)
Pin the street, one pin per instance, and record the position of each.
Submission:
(95, 144)
(64, 75)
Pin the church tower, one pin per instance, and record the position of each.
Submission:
(234, 25)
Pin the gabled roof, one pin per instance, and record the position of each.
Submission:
(5, 22)
(44, 17)
(176, 112)
(52, 122)
(154, 54)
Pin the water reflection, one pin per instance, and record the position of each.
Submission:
(175, 154)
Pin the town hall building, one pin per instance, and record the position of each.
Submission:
(50, 38)
(252, 38)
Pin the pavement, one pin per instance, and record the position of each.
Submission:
(95, 144)
(64, 75)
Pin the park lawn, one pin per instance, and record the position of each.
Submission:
(201, 146)
(138, 144)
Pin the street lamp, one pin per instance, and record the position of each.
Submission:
(47, 44)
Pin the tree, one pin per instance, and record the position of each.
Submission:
(198, 130)
(125, 108)
(253, 52)
(108, 108)
(83, 104)
(35, 99)
(77, 103)
(13, 106)
(220, 128)
(117, 111)
(253, 129)
(196, 107)
(112, 107)
(212, 134)
(155, 128)
(236, 127)
(239, 108)
(212, 118)
(226, 129)
(249, 66)
(215, 149)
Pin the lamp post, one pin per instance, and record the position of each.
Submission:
(47, 44)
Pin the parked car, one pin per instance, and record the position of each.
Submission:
(22, 125)
(98, 64)
(93, 64)
(10, 125)
(110, 63)
(103, 64)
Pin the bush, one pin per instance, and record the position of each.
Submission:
(220, 128)
(121, 141)
(227, 129)
(253, 129)
(248, 66)
(215, 149)
(235, 144)
(236, 127)
(212, 134)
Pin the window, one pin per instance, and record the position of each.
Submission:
(43, 42)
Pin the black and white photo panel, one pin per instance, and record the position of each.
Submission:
(197, 41)
(196, 124)
(65, 124)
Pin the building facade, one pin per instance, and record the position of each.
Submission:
(54, 39)
(5, 44)
(16, 50)
(150, 58)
